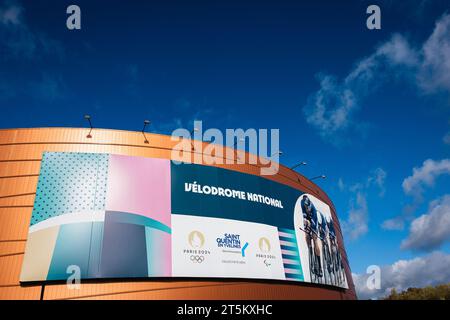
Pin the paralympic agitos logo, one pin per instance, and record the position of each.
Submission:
(264, 254)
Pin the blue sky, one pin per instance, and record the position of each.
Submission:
(365, 107)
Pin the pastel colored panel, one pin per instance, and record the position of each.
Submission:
(124, 217)
(74, 247)
(124, 251)
(141, 186)
(68, 218)
(159, 253)
(70, 182)
(95, 253)
(291, 258)
(38, 254)
(293, 276)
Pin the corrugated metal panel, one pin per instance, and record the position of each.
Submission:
(227, 291)
(12, 247)
(20, 293)
(19, 168)
(14, 223)
(61, 291)
(11, 266)
(20, 200)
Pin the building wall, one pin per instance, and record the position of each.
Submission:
(20, 156)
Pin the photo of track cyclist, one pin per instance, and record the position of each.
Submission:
(311, 235)
(316, 228)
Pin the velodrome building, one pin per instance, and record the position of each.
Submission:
(110, 216)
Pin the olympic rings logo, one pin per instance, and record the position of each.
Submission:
(197, 259)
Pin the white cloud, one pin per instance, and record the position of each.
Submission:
(19, 40)
(396, 223)
(398, 51)
(378, 178)
(430, 230)
(356, 224)
(11, 15)
(418, 272)
(434, 74)
(446, 138)
(330, 110)
(425, 176)
(341, 184)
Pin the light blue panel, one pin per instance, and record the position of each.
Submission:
(72, 248)
(158, 261)
(123, 217)
(77, 244)
(70, 182)
(95, 253)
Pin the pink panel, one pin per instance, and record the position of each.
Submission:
(141, 186)
(166, 259)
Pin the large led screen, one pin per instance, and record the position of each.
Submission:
(114, 216)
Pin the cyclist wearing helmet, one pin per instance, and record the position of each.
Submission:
(322, 226)
(311, 226)
(331, 230)
(334, 248)
(324, 232)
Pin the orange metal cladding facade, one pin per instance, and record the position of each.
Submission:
(20, 156)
